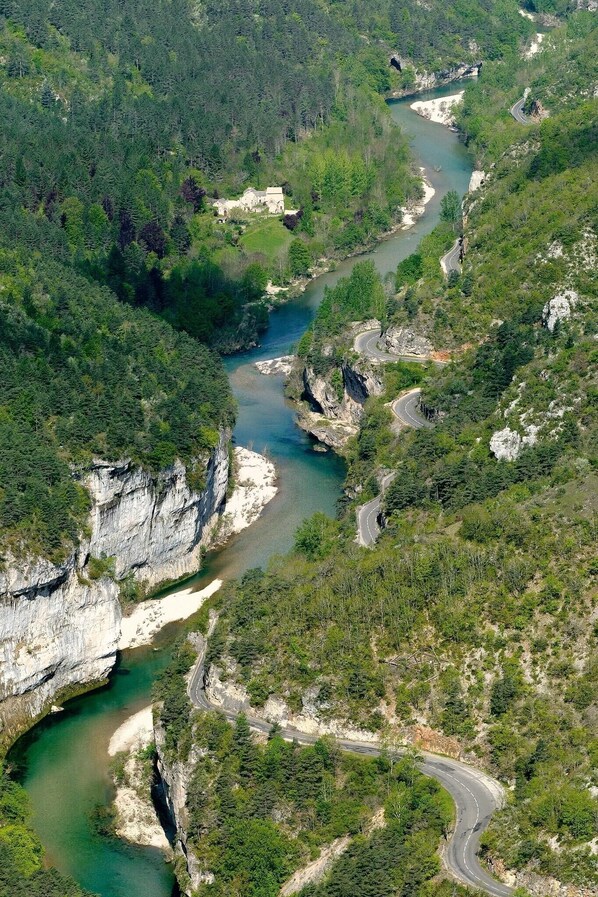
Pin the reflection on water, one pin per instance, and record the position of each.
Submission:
(65, 767)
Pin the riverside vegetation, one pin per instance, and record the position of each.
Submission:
(475, 614)
(108, 247)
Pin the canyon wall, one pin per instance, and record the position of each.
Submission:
(60, 627)
(333, 411)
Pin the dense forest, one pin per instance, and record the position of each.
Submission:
(115, 202)
(475, 612)
(149, 114)
(258, 811)
(83, 375)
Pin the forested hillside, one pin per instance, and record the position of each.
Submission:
(475, 614)
(150, 112)
(84, 376)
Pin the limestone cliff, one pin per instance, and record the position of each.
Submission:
(59, 628)
(174, 777)
(424, 80)
(335, 401)
(154, 526)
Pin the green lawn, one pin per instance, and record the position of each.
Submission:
(267, 236)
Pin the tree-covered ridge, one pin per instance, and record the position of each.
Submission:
(257, 812)
(83, 375)
(531, 231)
(446, 34)
(22, 872)
(147, 111)
(561, 77)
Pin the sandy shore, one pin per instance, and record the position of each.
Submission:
(136, 732)
(136, 818)
(413, 212)
(255, 486)
(439, 110)
(151, 616)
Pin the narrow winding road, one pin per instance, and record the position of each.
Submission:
(368, 528)
(476, 794)
(406, 410)
(518, 114)
(451, 261)
(367, 344)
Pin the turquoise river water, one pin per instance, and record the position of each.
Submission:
(63, 761)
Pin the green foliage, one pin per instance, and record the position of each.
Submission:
(239, 790)
(355, 298)
(99, 567)
(316, 536)
(83, 375)
(450, 207)
(171, 691)
(22, 872)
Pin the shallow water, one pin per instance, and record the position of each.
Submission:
(63, 761)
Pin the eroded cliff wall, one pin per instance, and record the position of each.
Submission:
(59, 628)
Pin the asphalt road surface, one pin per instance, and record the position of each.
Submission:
(452, 260)
(367, 344)
(406, 410)
(518, 113)
(368, 528)
(476, 794)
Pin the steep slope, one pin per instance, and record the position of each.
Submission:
(474, 618)
(114, 465)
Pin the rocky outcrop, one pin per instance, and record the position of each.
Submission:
(537, 111)
(476, 180)
(174, 777)
(336, 408)
(276, 366)
(405, 341)
(538, 885)
(229, 696)
(59, 627)
(440, 110)
(428, 80)
(57, 632)
(559, 308)
(506, 444)
(136, 817)
(154, 525)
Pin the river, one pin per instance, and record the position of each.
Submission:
(63, 761)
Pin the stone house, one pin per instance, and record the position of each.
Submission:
(270, 200)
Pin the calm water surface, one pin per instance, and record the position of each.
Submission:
(63, 760)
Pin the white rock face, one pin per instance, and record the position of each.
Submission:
(154, 526)
(559, 308)
(60, 629)
(231, 696)
(505, 444)
(476, 180)
(55, 631)
(274, 366)
(405, 341)
(535, 46)
(333, 419)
